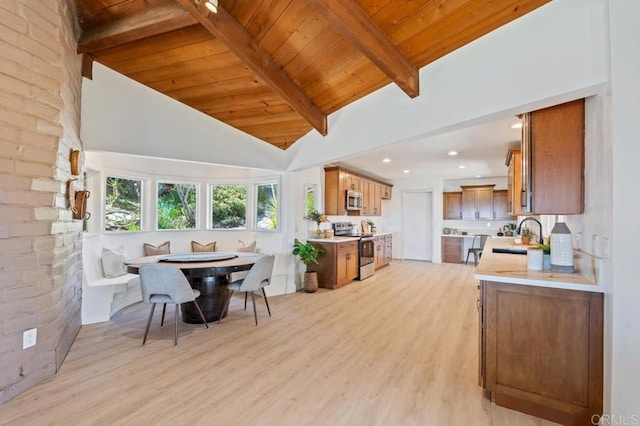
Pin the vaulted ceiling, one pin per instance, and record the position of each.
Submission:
(276, 68)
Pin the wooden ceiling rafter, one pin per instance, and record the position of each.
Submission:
(357, 27)
(225, 28)
(145, 23)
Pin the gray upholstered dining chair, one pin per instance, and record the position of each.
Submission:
(259, 277)
(166, 284)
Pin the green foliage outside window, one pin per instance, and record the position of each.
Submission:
(177, 205)
(122, 204)
(228, 207)
(267, 206)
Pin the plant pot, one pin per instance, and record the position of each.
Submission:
(310, 283)
(526, 240)
(508, 234)
(546, 261)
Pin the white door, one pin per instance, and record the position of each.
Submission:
(417, 225)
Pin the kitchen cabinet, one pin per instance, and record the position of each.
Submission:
(386, 192)
(339, 265)
(452, 205)
(500, 205)
(553, 160)
(452, 249)
(541, 350)
(388, 248)
(514, 181)
(338, 180)
(382, 247)
(477, 202)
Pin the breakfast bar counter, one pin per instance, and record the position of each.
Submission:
(540, 336)
(512, 268)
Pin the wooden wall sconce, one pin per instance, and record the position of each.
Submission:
(75, 162)
(78, 201)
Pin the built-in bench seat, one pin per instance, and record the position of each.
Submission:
(102, 297)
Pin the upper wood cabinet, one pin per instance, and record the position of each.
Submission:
(386, 192)
(500, 205)
(452, 205)
(338, 180)
(553, 160)
(477, 202)
(514, 181)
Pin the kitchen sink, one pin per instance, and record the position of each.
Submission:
(509, 250)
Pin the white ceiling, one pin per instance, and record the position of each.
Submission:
(481, 148)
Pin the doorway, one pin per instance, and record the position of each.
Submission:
(417, 225)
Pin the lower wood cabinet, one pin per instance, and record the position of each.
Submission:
(339, 265)
(452, 249)
(382, 247)
(541, 350)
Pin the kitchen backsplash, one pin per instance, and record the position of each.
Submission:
(476, 226)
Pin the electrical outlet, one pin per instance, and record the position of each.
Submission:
(605, 247)
(579, 240)
(29, 338)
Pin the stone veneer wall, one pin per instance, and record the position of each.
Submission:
(40, 243)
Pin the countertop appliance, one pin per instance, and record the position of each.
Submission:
(353, 200)
(366, 248)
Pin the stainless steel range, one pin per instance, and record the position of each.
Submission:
(366, 248)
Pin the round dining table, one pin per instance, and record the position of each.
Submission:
(208, 274)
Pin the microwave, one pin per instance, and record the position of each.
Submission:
(353, 200)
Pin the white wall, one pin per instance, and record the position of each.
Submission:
(623, 300)
(121, 115)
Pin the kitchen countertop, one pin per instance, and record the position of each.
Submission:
(512, 269)
(341, 239)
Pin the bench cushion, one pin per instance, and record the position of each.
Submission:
(113, 262)
(196, 247)
(151, 250)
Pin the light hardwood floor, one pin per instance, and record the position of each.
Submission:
(397, 349)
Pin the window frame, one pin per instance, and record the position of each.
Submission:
(247, 187)
(254, 208)
(197, 225)
(103, 209)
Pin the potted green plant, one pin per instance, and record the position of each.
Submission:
(527, 235)
(509, 228)
(308, 253)
(546, 255)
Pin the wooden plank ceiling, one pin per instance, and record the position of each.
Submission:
(276, 68)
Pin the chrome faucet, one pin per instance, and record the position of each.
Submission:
(535, 220)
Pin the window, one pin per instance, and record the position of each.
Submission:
(122, 204)
(267, 206)
(177, 206)
(228, 206)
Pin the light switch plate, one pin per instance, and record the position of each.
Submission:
(29, 338)
(605, 250)
(579, 240)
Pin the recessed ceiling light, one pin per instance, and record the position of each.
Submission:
(462, 167)
(478, 176)
(452, 153)
(386, 160)
(517, 125)
(406, 171)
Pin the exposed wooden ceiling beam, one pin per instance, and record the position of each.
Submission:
(147, 23)
(348, 18)
(225, 28)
